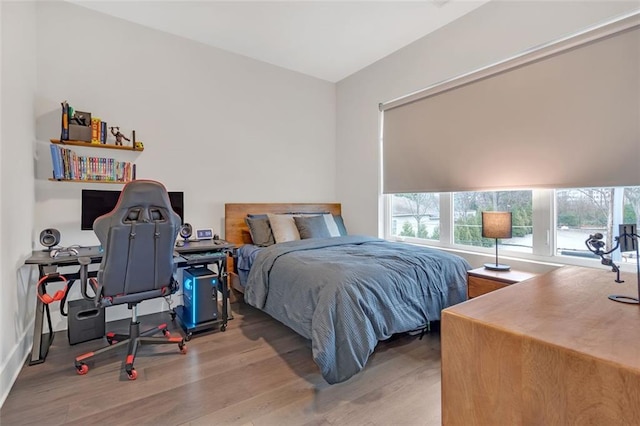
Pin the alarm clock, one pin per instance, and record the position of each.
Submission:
(204, 234)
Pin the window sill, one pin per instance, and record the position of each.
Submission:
(521, 261)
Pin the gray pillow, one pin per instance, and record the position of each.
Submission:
(312, 227)
(260, 231)
(340, 223)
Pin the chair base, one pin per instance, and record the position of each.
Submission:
(133, 340)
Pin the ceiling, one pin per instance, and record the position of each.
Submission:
(329, 40)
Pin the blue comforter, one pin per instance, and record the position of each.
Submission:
(348, 293)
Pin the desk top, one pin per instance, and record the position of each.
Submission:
(567, 308)
(43, 257)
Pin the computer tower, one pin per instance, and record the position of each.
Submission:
(200, 295)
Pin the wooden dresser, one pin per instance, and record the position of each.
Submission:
(552, 351)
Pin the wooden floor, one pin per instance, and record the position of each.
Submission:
(258, 372)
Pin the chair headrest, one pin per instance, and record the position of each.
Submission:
(142, 200)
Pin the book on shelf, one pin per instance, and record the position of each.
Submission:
(64, 133)
(56, 161)
(95, 130)
(103, 132)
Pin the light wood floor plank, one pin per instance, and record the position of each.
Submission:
(258, 372)
(385, 366)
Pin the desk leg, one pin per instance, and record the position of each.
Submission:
(41, 346)
(228, 315)
(225, 301)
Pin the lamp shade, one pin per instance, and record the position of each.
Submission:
(496, 224)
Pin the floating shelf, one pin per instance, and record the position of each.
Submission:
(96, 145)
(89, 181)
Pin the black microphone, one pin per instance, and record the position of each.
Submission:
(595, 242)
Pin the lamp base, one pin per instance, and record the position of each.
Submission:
(497, 267)
(624, 299)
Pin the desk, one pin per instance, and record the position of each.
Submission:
(192, 253)
(551, 351)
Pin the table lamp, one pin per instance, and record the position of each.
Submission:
(496, 225)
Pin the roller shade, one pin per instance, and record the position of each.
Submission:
(564, 115)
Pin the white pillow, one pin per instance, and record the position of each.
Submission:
(283, 227)
(331, 225)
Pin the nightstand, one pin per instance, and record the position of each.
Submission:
(481, 281)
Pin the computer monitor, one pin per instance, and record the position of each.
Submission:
(96, 202)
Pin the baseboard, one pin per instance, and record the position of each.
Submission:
(10, 370)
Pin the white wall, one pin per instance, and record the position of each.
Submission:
(18, 87)
(218, 126)
(494, 31)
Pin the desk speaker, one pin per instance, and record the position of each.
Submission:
(50, 237)
(186, 230)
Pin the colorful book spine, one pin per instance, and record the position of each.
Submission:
(95, 130)
(64, 133)
(60, 161)
(72, 163)
(83, 173)
(65, 163)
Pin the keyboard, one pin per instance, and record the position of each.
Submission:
(203, 246)
(203, 256)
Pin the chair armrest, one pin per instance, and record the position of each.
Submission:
(84, 279)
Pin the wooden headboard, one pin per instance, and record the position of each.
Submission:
(236, 230)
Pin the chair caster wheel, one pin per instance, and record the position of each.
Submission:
(166, 333)
(82, 369)
(188, 336)
(133, 374)
(223, 327)
(183, 348)
(110, 338)
(173, 316)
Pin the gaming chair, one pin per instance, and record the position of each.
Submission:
(138, 238)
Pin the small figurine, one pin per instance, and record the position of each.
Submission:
(79, 119)
(119, 136)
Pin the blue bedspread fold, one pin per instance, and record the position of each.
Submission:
(348, 293)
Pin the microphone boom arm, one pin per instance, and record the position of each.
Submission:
(596, 246)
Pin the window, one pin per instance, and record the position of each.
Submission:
(585, 211)
(548, 225)
(416, 215)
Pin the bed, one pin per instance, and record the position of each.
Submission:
(344, 293)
